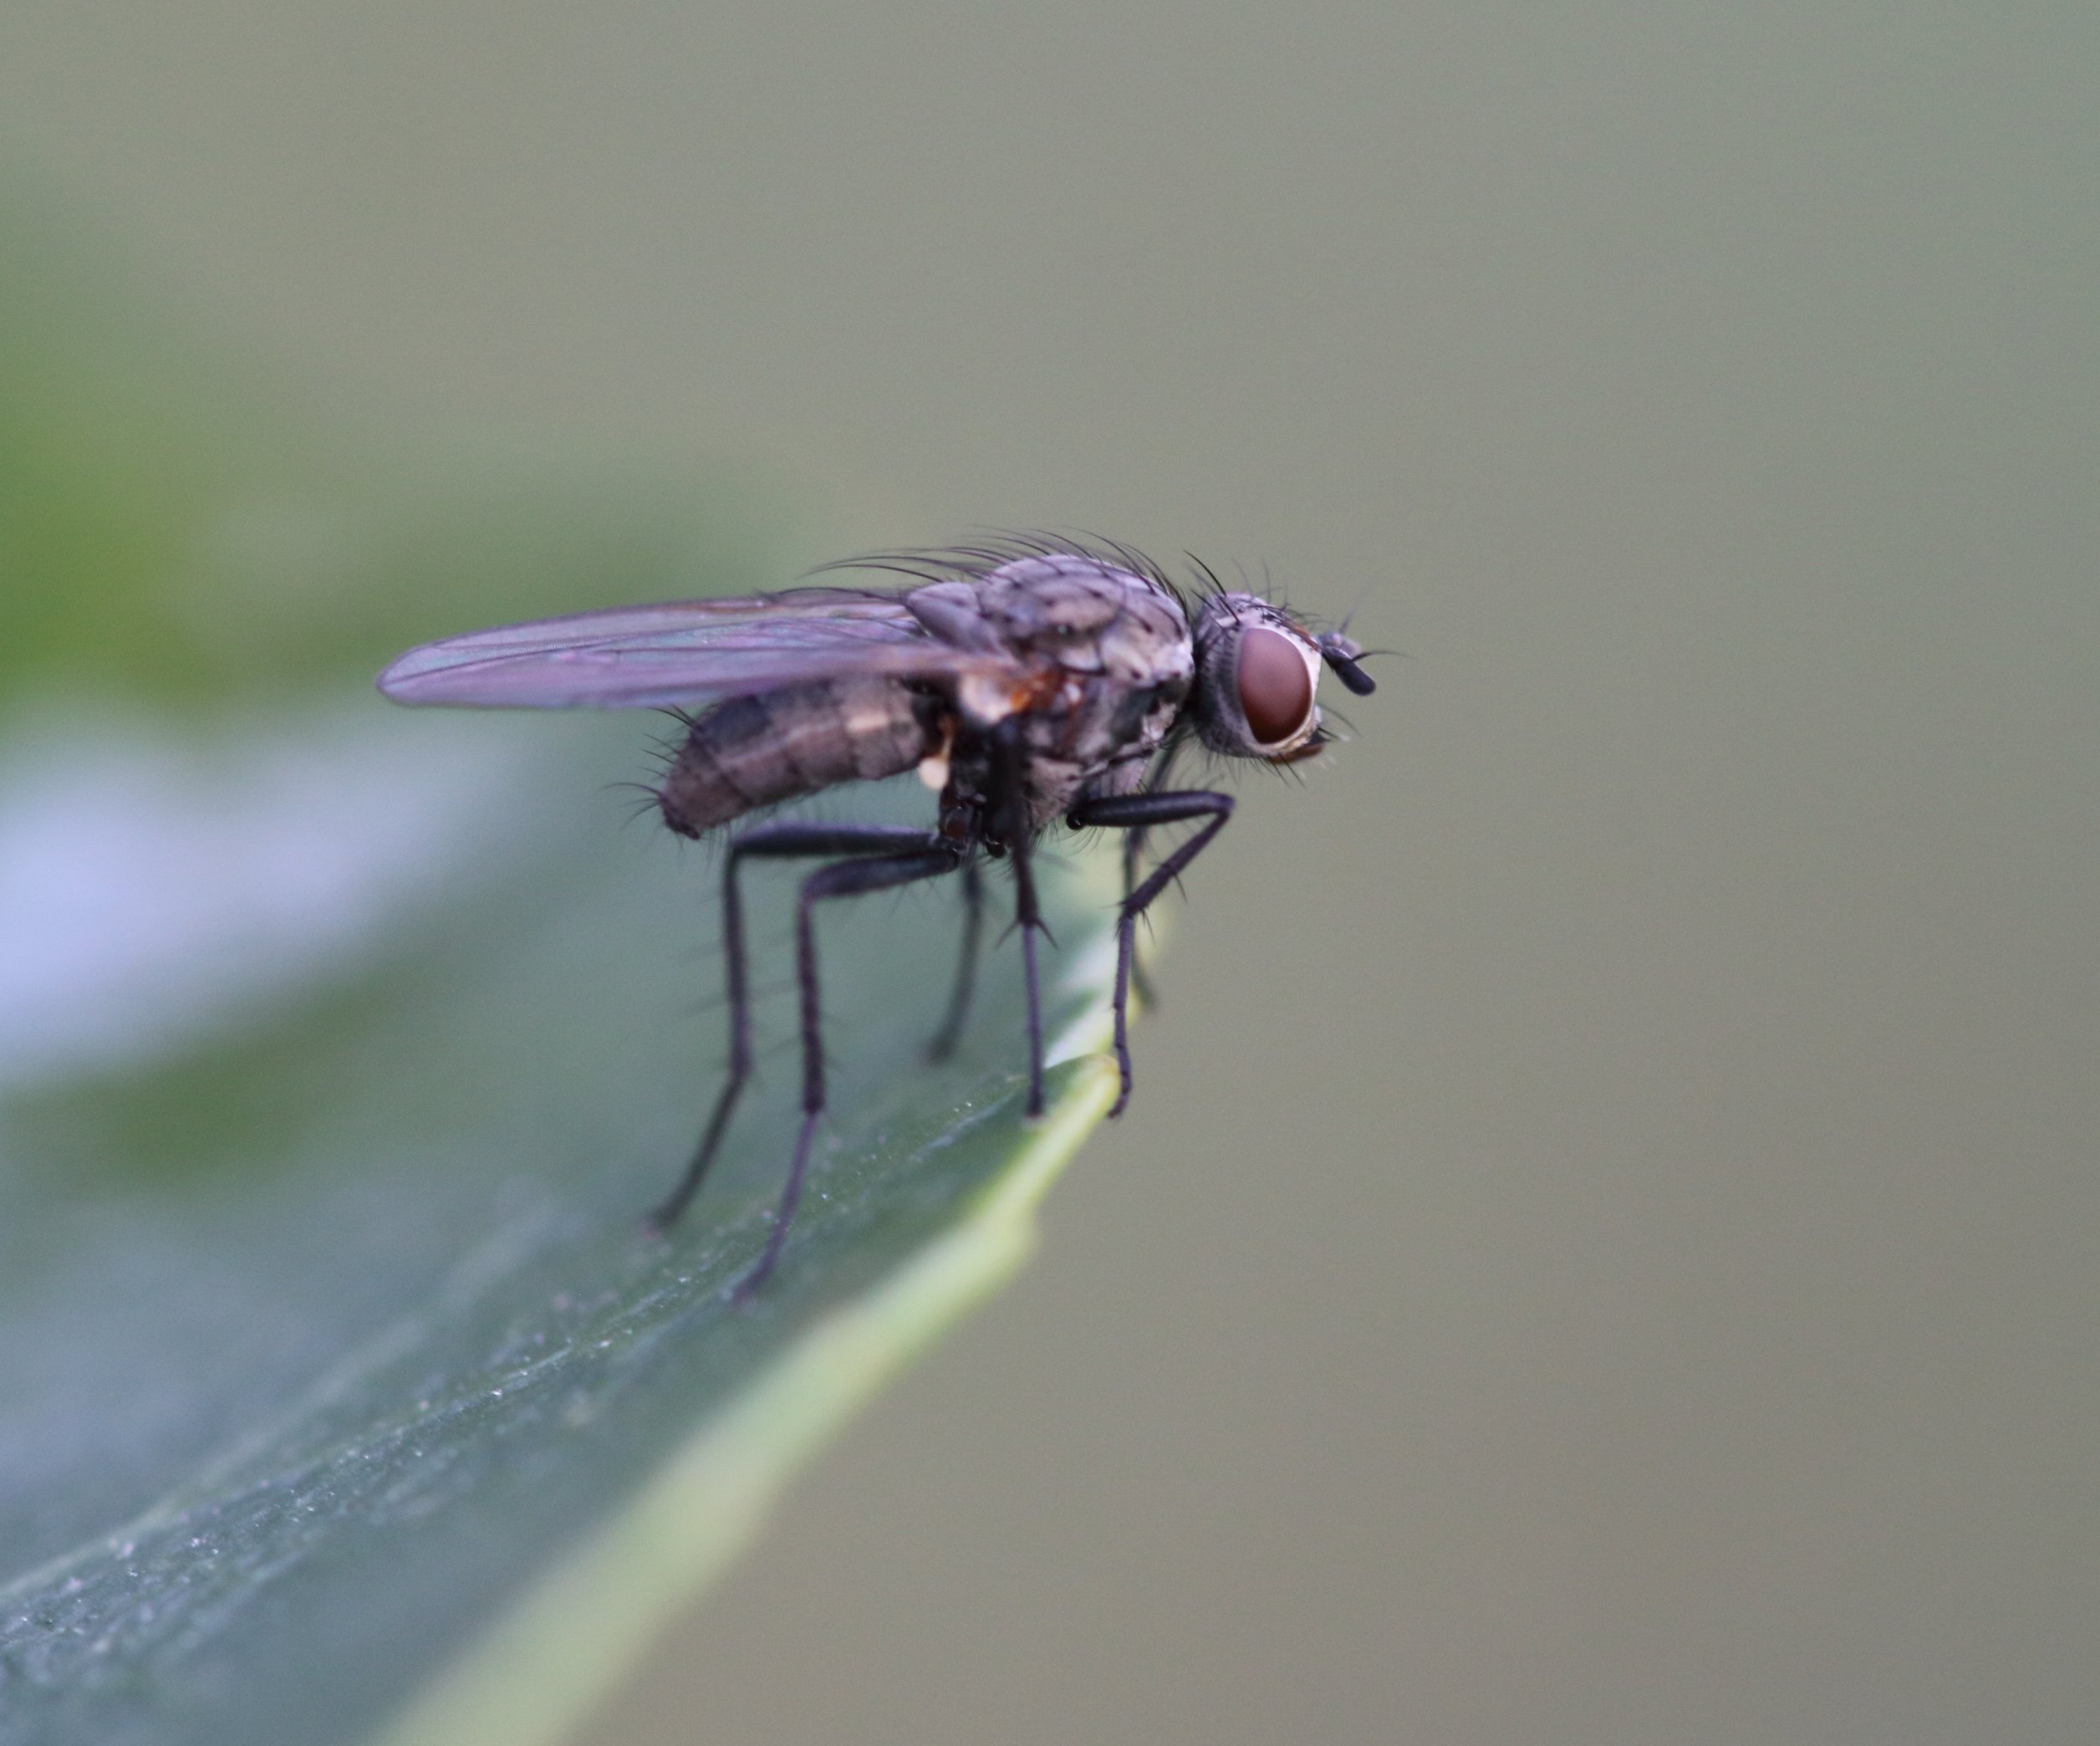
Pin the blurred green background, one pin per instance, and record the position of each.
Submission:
(1603, 1247)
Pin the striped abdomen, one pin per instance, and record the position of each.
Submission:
(749, 752)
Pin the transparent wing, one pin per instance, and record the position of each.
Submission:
(680, 652)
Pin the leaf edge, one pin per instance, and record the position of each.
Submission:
(537, 1672)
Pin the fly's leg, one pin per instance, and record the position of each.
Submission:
(1137, 813)
(1009, 811)
(781, 841)
(950, 1032)
(1134, 848)
(841, 879)
(1028, 915)
(1133, 859)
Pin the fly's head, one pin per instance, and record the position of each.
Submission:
(1257, 673)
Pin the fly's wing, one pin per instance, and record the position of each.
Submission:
(682, 652)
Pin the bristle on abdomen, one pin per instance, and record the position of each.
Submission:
(751, 752)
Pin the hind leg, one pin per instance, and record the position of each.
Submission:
(841, 879)
(786, 840)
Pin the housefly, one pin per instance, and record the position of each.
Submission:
(1028, 681)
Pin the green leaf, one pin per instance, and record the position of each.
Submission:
(341, 1049)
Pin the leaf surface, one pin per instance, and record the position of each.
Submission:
(341, 1049)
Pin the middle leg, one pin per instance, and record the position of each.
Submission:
(1028, 915)
(1016, 833)
(950, 1032)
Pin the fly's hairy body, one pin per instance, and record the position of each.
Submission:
(1098, 665)
(1029, 682)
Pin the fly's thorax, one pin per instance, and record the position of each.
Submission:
(1089, 617)
(1096, 735)
(1257, 673)
(1065, 617)
(1102, 742)
(779, 745)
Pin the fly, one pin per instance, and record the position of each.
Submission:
(1028, 681)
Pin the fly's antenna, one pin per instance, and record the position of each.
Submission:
(1342, 654)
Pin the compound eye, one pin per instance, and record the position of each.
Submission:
(1276, 687)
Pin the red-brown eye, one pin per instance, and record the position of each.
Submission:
(1275, 690)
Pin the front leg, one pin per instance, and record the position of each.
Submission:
(1138, 813)
(1134, 844)
(1133, 859)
